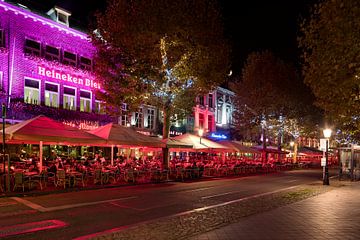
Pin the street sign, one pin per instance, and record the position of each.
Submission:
(323, 162)
(323, 144)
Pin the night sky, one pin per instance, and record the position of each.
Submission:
(251, 25)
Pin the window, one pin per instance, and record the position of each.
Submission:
(32, 47)
(201, 120)
(151, 118)
(69, 101)
(1, 82)
(99, 107)
(201, 100)
(85, 101)
(62, 18)
(51, 95)
(69, 58)
(219, 114)
(211, 100)
(124, 119)
(85, 63)
(32, 91)
(139, 118)
(2, 38)
(52, 53)
(210, 120)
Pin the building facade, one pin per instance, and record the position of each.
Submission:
(213, 113)
(46, 67)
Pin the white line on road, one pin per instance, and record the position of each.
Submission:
(219, 195)
(197, 189)
(49, 209)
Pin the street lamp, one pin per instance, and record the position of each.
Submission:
(327, 135)
(201, 131)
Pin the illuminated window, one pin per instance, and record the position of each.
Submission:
(52, 53)
(32, 91)
(69, 98)
(85, 101)
(2, 38)
(201, 120)
(32, 47)
(124, 119)
(69, 58)
(85, 63)
(210, 120)
(99, 107)
(139, 118)
(51, 95)
(151, 118)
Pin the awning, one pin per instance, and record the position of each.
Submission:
(115, 134)
(238, 147)
(203, 144)
(49, 131)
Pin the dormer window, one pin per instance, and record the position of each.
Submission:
(59, 15)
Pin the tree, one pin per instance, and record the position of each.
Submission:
(330, 44)
(269, 97)
(162, 52)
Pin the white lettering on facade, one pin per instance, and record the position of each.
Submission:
(67, 77)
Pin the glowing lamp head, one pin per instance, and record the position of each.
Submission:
(201, 132)
(327, 132)
(292, 144)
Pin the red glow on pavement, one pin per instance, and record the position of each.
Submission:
(30, 227)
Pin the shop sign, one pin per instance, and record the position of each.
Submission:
(218, 136)
(67, 77)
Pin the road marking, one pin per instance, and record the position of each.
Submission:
(30, 204)
(93, 235)
(197, 189)
(30, 227)
(290, 181)
(219, 195)
(49, 209)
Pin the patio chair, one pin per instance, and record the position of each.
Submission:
(80, 178)
(98, 177)
(179, 173)
(61, 179)
(129, 176)
(20, 181)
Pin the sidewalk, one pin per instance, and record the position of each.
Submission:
(332, 215)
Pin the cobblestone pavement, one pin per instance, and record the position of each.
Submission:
(332, 215)
(184, 226)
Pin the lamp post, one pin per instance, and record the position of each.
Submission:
(201, 131)
(327, 135)
(292, 148)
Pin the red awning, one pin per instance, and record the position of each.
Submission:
(49, 131)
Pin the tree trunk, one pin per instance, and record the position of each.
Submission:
(166, 130)
(265, 156)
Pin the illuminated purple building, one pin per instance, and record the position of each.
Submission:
(44, 62)
(46, 68)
